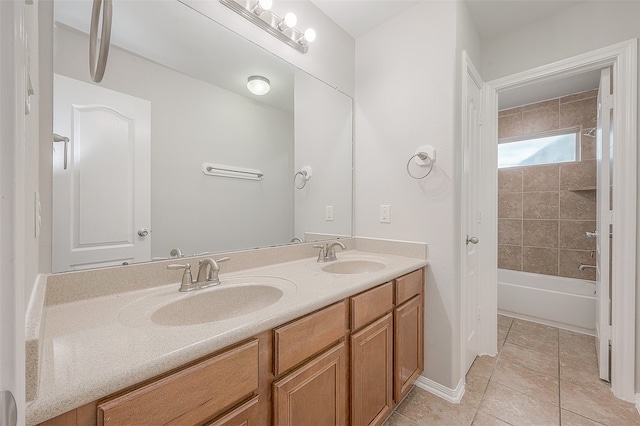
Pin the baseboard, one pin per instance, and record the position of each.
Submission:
(451, 395)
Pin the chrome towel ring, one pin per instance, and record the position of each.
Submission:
(99, 64)
(305, 175)
(425, 159)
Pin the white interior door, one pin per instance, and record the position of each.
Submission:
(101, 201)
(471, 152)
(604, 231)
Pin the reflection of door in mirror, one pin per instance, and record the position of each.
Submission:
(101, 200)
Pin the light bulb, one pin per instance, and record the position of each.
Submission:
(258, 85)
(289, 21)
(309, 35)
(261, 6)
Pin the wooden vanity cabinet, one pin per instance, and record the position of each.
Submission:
(372, 356)
(408, 318)
(315, 391)
(344, 364)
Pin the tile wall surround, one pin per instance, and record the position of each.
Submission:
(544, 211)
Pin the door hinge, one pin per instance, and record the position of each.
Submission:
(607, 102)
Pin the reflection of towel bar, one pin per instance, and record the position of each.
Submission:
(211, 169)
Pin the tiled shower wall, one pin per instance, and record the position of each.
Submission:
(545, 211)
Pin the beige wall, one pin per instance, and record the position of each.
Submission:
(544, 211)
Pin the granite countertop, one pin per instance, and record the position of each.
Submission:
(97, 346)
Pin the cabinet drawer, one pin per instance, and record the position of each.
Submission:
(245, 415)
(408, 286)
(302, 338)
(190, 396)
(371, 305)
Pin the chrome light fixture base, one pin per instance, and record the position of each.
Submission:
(270, 22)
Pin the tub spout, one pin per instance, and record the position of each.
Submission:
(582, 267)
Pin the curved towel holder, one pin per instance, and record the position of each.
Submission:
(305, 175)
(425, 156)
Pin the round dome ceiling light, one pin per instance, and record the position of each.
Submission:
(258, 85)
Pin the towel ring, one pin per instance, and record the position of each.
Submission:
(422, 156)
(305, 174)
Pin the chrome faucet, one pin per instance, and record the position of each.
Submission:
(328, 251)
(208, 270)
(176, 253)
(296, 240)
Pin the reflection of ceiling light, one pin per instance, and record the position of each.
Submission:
(258, 85)
(259, 12)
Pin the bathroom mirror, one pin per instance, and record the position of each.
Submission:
(148, 144)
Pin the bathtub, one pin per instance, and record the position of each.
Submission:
(561, 302)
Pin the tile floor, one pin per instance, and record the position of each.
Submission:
(541, 376)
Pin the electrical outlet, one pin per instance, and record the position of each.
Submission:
(385, 213)
(328, 213)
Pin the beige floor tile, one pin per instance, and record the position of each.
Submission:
(398, 420)
(541, 342)
(425, 408)
(534, 328)
(546, 364)
(567, 418)
(527, 381)
(579, 373)
(504, 321)
(517, 408)
(596, 402)
(474, 389)
(502, 336)
(483, 366)
(577, 348)
(483, 419)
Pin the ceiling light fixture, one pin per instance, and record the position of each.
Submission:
(259, 12)
(258, 85)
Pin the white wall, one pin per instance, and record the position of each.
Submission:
(585, 27)
(331, 57)
(193, 122)
(323, 134)
(407, 95)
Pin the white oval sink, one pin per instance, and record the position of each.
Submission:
(234, 297)
(353, 267)
(218, 304)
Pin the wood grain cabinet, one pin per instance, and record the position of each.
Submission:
(344, 364)
(315, 393)
(190, 396)
(372, 356)
(408, 318)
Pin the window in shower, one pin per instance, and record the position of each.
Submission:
(558, 146)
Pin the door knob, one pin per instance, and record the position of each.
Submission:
(591, 234)
(143, 232)
(472, 240)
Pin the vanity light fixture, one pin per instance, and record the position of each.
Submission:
(259, 12)
(258, 85)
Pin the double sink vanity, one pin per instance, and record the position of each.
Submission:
(282, 340)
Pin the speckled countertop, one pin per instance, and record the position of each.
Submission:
(97, 346)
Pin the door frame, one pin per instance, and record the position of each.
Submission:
(622, 57)
(12, 207)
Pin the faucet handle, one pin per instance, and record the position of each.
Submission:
(187, 283)
(322, 256)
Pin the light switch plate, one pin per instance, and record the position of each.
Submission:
(328, 213)
(385, 213)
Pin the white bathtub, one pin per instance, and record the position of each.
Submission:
(561, 302)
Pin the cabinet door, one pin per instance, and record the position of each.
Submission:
(371, 373)
(409, 345)
(315, 393)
